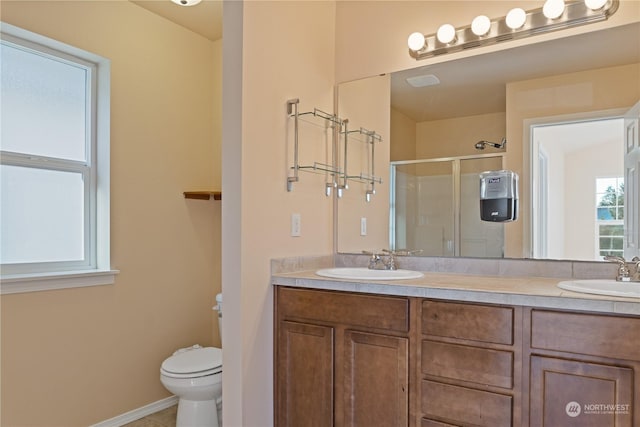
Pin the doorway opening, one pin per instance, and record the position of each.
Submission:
(578, 189)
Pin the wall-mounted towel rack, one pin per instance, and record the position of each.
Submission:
(330, 121)
(368, 177)
(337, 177)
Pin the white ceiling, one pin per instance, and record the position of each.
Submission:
(205, 18)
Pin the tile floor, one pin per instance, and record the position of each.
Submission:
(164, 418)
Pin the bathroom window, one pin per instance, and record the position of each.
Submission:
(610, 215)
(54, 164)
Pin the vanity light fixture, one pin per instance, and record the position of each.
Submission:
(446, 34)
(186, 2)
(595, 4)
(480, 25)
(516, 18)
(416, 41)
(553, 9)
(518, 23)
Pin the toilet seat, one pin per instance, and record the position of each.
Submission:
(193, 362)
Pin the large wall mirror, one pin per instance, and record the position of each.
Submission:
(567, 109)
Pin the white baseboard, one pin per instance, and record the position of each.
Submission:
(136, 414)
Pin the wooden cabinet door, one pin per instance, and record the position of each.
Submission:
(572, 393)
(376, 380)
(304, 386)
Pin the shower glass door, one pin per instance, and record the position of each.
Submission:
(422, 209)
(435, 207)
(479, 239)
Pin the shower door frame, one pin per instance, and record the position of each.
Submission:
(455, 172)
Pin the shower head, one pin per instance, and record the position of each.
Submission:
(481, 144)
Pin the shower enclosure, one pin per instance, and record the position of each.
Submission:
(435, 207)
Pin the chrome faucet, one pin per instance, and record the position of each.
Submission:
(624, 275)
(636, 276)
(377, 263)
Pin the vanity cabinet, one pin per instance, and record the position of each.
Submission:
(342, 359)
(469, 364)
(584, 369)
(352, 359)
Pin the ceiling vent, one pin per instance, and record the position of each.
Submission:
(422, 81)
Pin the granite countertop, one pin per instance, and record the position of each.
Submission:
(525, 291)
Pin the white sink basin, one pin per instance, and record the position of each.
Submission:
(367, 274)
(603, 287)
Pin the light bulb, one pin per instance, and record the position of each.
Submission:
(446, 33)
(553, 9)
(416, 41)
(595, 4)
(480, 25)
(516, 18)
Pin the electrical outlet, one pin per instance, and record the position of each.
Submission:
(295, 225)
(363, 226)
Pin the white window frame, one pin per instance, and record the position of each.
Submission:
(600, 222)
(95, 269)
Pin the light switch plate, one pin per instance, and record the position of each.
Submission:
(295, 225)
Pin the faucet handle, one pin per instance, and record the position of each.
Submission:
(624, 275)
(374, 260)
(636, 276)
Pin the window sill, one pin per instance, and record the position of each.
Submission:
(22, 283)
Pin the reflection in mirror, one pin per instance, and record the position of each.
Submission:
(512, 93)
(578, 192)
(435, 209)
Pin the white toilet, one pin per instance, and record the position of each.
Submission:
(194, 374)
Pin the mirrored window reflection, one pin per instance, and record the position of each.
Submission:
(610, 213)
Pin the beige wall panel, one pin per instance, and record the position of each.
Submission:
(80, 356)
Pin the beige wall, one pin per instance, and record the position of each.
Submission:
(458, 136)
(372, 35)
(75, 357)
(564, 96)
(273, 51)
(403, 137)
(360, 103)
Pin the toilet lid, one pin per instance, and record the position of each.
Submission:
(192, 361)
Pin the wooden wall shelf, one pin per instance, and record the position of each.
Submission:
(203, 195)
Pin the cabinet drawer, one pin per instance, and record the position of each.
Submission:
(464, 405)
(467, 363)
(468, 321)
(389, 313)
(595, 335)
